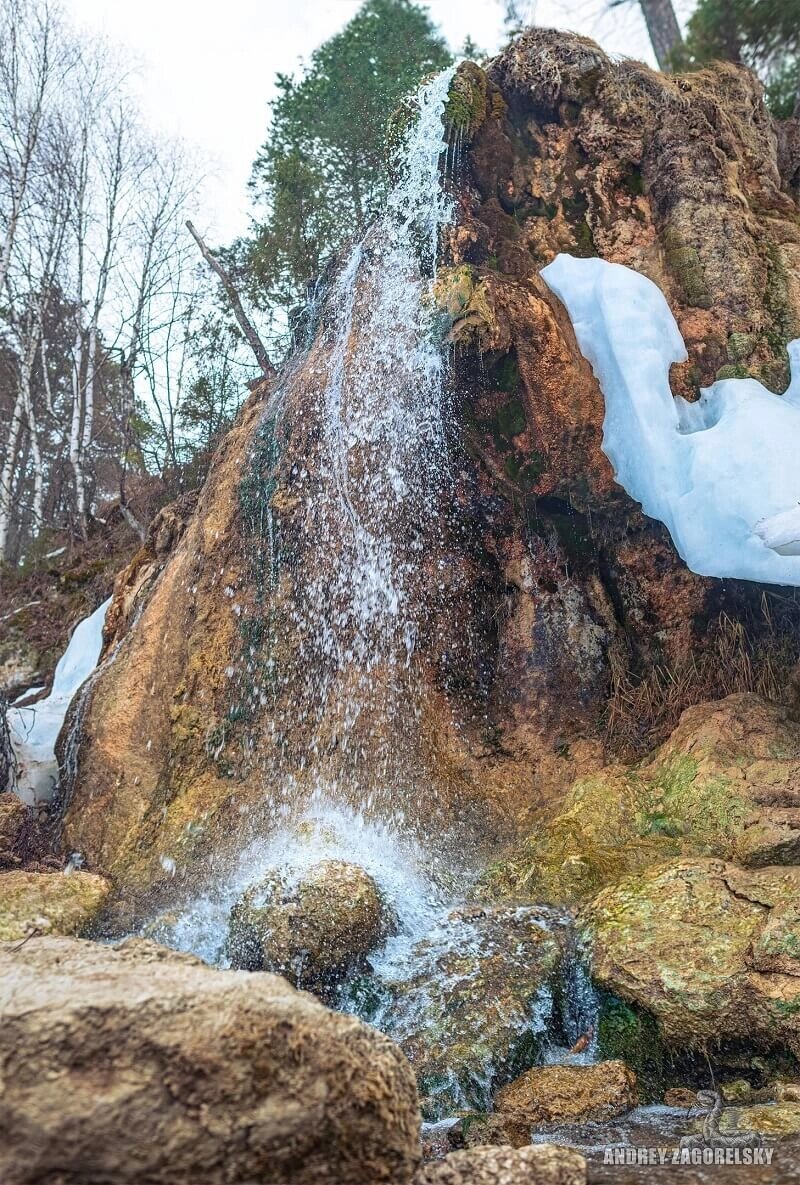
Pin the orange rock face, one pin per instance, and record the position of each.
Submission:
(556, 626)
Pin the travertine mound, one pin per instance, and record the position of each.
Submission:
(558, 628)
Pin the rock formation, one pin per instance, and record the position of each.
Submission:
(135, 1063)
(559, 628)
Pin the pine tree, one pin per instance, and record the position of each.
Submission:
(762, 34)
(320, 176)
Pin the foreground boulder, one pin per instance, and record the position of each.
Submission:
(315, 931)
(542, 1164)
(565, 1094)
(711, 951)
(49, 902)
(134, 1063)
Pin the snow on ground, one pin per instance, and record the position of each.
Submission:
(723, 474)
(34, 730)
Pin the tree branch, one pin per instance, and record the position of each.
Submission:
(246, 326)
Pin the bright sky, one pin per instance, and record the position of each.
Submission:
(207, 68)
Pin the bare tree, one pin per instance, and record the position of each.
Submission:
(662, 28)
(99, 303)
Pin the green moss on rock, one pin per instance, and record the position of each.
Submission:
(465, 109)
(685, 264)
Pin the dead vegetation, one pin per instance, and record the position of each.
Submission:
(758, 657)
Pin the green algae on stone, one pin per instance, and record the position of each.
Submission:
(741, 346)
(473, 1014)
(683, 941)
(685, 264)
(629, 1034)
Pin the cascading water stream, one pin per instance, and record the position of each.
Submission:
(370, 496)
(382, 465)
(355, 559)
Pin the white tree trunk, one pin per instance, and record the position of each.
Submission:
(75, 438)
(9, 469)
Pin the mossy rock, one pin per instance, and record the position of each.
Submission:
(741, 346)
(732, 372)
(466, 105)
(701, 794)
(681, 942)
(314, 931)
(474, 1015)
(49, 903)
(686, 266)
(629, 1034)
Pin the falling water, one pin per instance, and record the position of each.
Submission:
(334, 677)
(349, 528)
(345, 714)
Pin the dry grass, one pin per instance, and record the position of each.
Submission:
(643, 711)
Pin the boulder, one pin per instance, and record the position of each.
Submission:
(49, 902)
(542, 1164)
(726, 783)
(565, 1094)
(707, 949)
(474, 1012)
(134, 1063)
(313, 931)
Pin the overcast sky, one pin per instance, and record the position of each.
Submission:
(206, 69)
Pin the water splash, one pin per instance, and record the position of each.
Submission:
(416, 889)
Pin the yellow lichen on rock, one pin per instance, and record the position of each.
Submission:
(49, 903)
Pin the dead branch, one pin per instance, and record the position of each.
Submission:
(246, 326)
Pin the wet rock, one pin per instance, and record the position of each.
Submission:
(786, 1092)
(136, 1063)
(543, 1164)
(49, 902)
(774, 1120)
(474, 1013)
(565, 1094)
(707, 949)
(680, 1096)
(314, 931)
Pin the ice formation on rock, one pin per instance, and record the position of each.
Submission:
(34, 729)
(723, 473)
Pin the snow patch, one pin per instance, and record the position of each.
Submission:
(34, 730)
(722, 474)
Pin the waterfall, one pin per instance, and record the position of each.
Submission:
(332, 676)
(368, 494)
